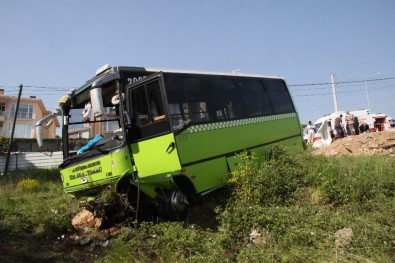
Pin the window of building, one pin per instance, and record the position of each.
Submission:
(2, 108)
(25, 111)
(22, 130)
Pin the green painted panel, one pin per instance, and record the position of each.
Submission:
(208, 175)
(97, 171)
(234, 162)
(208, 140)
(156, 156)
(213, 173)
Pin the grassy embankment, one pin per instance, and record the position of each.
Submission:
(292, 205)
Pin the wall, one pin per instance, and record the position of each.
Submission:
(29, 160)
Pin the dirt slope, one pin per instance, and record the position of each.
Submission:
(375, 143)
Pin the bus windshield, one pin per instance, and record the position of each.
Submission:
(81, 122)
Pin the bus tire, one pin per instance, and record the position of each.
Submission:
(182, 183)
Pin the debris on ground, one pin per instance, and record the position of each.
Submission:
(375, 143)
(343, 237)
(86, 219)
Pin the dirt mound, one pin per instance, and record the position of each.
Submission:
(375, 143)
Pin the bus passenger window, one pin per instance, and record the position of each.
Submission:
(197, 111)
(254, 97)
(175, 113)
(279, 96)
(224, 100)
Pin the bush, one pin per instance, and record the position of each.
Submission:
(27, 184)
(257, 187)
(274, 182)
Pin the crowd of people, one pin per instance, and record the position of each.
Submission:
(352, 126)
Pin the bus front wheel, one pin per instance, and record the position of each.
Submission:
(179, 201)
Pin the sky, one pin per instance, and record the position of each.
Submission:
(51, 47)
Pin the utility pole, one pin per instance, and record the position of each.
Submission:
(367, 94)
(12, 131)
(333, 80)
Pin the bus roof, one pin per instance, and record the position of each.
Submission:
(234, 73)
(108, 69)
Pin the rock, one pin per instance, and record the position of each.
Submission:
(255, 236)
(85, 219)
(343, 237)
(259, 236)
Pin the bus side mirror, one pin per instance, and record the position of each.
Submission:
(48, 120)
(97, 101)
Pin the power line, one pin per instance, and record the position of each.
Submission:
(340, 82)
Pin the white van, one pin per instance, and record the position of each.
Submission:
(362, 115)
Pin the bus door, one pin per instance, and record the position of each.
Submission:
(153, 144)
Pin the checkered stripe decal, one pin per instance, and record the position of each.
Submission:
(235, 123)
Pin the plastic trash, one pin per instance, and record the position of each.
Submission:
(326, 138)
(90, 144)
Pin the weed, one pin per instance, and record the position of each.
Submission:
(27, 185)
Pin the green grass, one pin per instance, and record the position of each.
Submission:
(32, 202)
(296, 204)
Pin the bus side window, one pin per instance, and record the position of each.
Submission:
(175, 112)
(223, 99)
(147, 106)
(187, 101)
(254, 97)
(279, 96)
(197, 111)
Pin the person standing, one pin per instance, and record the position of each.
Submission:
(338, 126)
(349, 123)
(310, 132)
(356, 125)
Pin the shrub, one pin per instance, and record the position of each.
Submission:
(272, 183)
(27, 185)
(257, 189)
